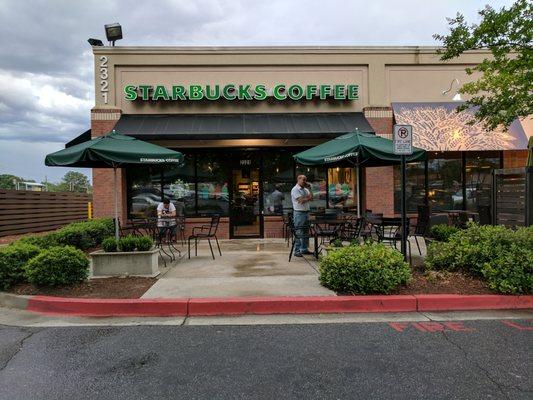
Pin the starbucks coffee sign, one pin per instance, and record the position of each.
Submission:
(279, 92)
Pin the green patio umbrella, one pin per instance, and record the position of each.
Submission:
(113, 151)
(356, 149)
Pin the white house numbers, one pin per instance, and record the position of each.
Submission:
(104, 75)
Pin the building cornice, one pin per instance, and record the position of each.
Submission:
(273, 50)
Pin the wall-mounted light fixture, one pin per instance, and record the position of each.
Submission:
(457, 96)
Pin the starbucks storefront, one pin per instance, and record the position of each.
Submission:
(238, 114)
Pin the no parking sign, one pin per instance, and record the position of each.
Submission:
(403, 139)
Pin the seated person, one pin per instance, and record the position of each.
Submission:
(166, 217)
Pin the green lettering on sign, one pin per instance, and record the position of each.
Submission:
(212, 96)
(296, 92)
(241, 92)
(229, 92)
(160, 93)
(178, 92)
(279, 92)
(260, 92)
(145, 91)
(195, 92)
(130, 93)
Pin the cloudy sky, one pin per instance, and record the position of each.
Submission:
(46, 83)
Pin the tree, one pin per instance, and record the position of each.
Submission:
(74, 182)
(503, 92)
(7, 181)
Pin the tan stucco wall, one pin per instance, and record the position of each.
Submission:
(384, 74)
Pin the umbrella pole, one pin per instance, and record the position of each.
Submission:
(116, 203)
(358, 194)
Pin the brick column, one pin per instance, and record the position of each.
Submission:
(379, 181)
(102, 121)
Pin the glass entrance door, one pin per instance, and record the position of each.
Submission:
(245, 213)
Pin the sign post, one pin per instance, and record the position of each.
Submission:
(403, 146)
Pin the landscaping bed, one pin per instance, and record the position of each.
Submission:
(433, 282)
(105, 288)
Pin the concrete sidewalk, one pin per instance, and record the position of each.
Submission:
(247, 268)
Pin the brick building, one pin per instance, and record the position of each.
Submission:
(239, 114)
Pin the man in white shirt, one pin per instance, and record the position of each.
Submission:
(301, 195)
(166, 217)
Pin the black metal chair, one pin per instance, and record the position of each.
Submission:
(205, 232)
(422, 225)
(390, 231)
(297, 233)
(352, 228)
(180, 231)
(160, 238)
(326, 228)
(288, 222)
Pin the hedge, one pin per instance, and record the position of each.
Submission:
(13, 259)
(57, 266)
(500, 255)
(364, 269)
(82, 235)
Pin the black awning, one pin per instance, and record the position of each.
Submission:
(85, 136)
(241, 126)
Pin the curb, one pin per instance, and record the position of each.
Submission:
(261, 305)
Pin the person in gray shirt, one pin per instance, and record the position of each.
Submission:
(277, 198)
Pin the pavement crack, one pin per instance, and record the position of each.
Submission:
(19, 345)
(485, 371)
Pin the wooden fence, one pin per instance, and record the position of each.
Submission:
(25, 211)
(512, 197)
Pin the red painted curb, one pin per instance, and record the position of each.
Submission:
(272, 305)
(300, 305)
(454, 302)
(108, 307)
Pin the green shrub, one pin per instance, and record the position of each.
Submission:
(13, 259)
(110, 244)
(144, 243)
(499, 254)
(86, 234)
(127, 243)
(57, 266)
(367, 268)
(75, 235)
(511, 272)
(442, 232)
(42, 241)
(336, 243)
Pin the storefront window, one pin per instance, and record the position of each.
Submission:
(179, 186)
(414, 188)
(316, 177)
(479, 166)
(278, 180)
(213, 196)
(445, 181)
(144, 191)
(342, 188)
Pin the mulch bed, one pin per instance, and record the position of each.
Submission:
(110, 288)
(433, 282)
(5, 240)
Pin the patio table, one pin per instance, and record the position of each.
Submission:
(325, 228)
(460, 217)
